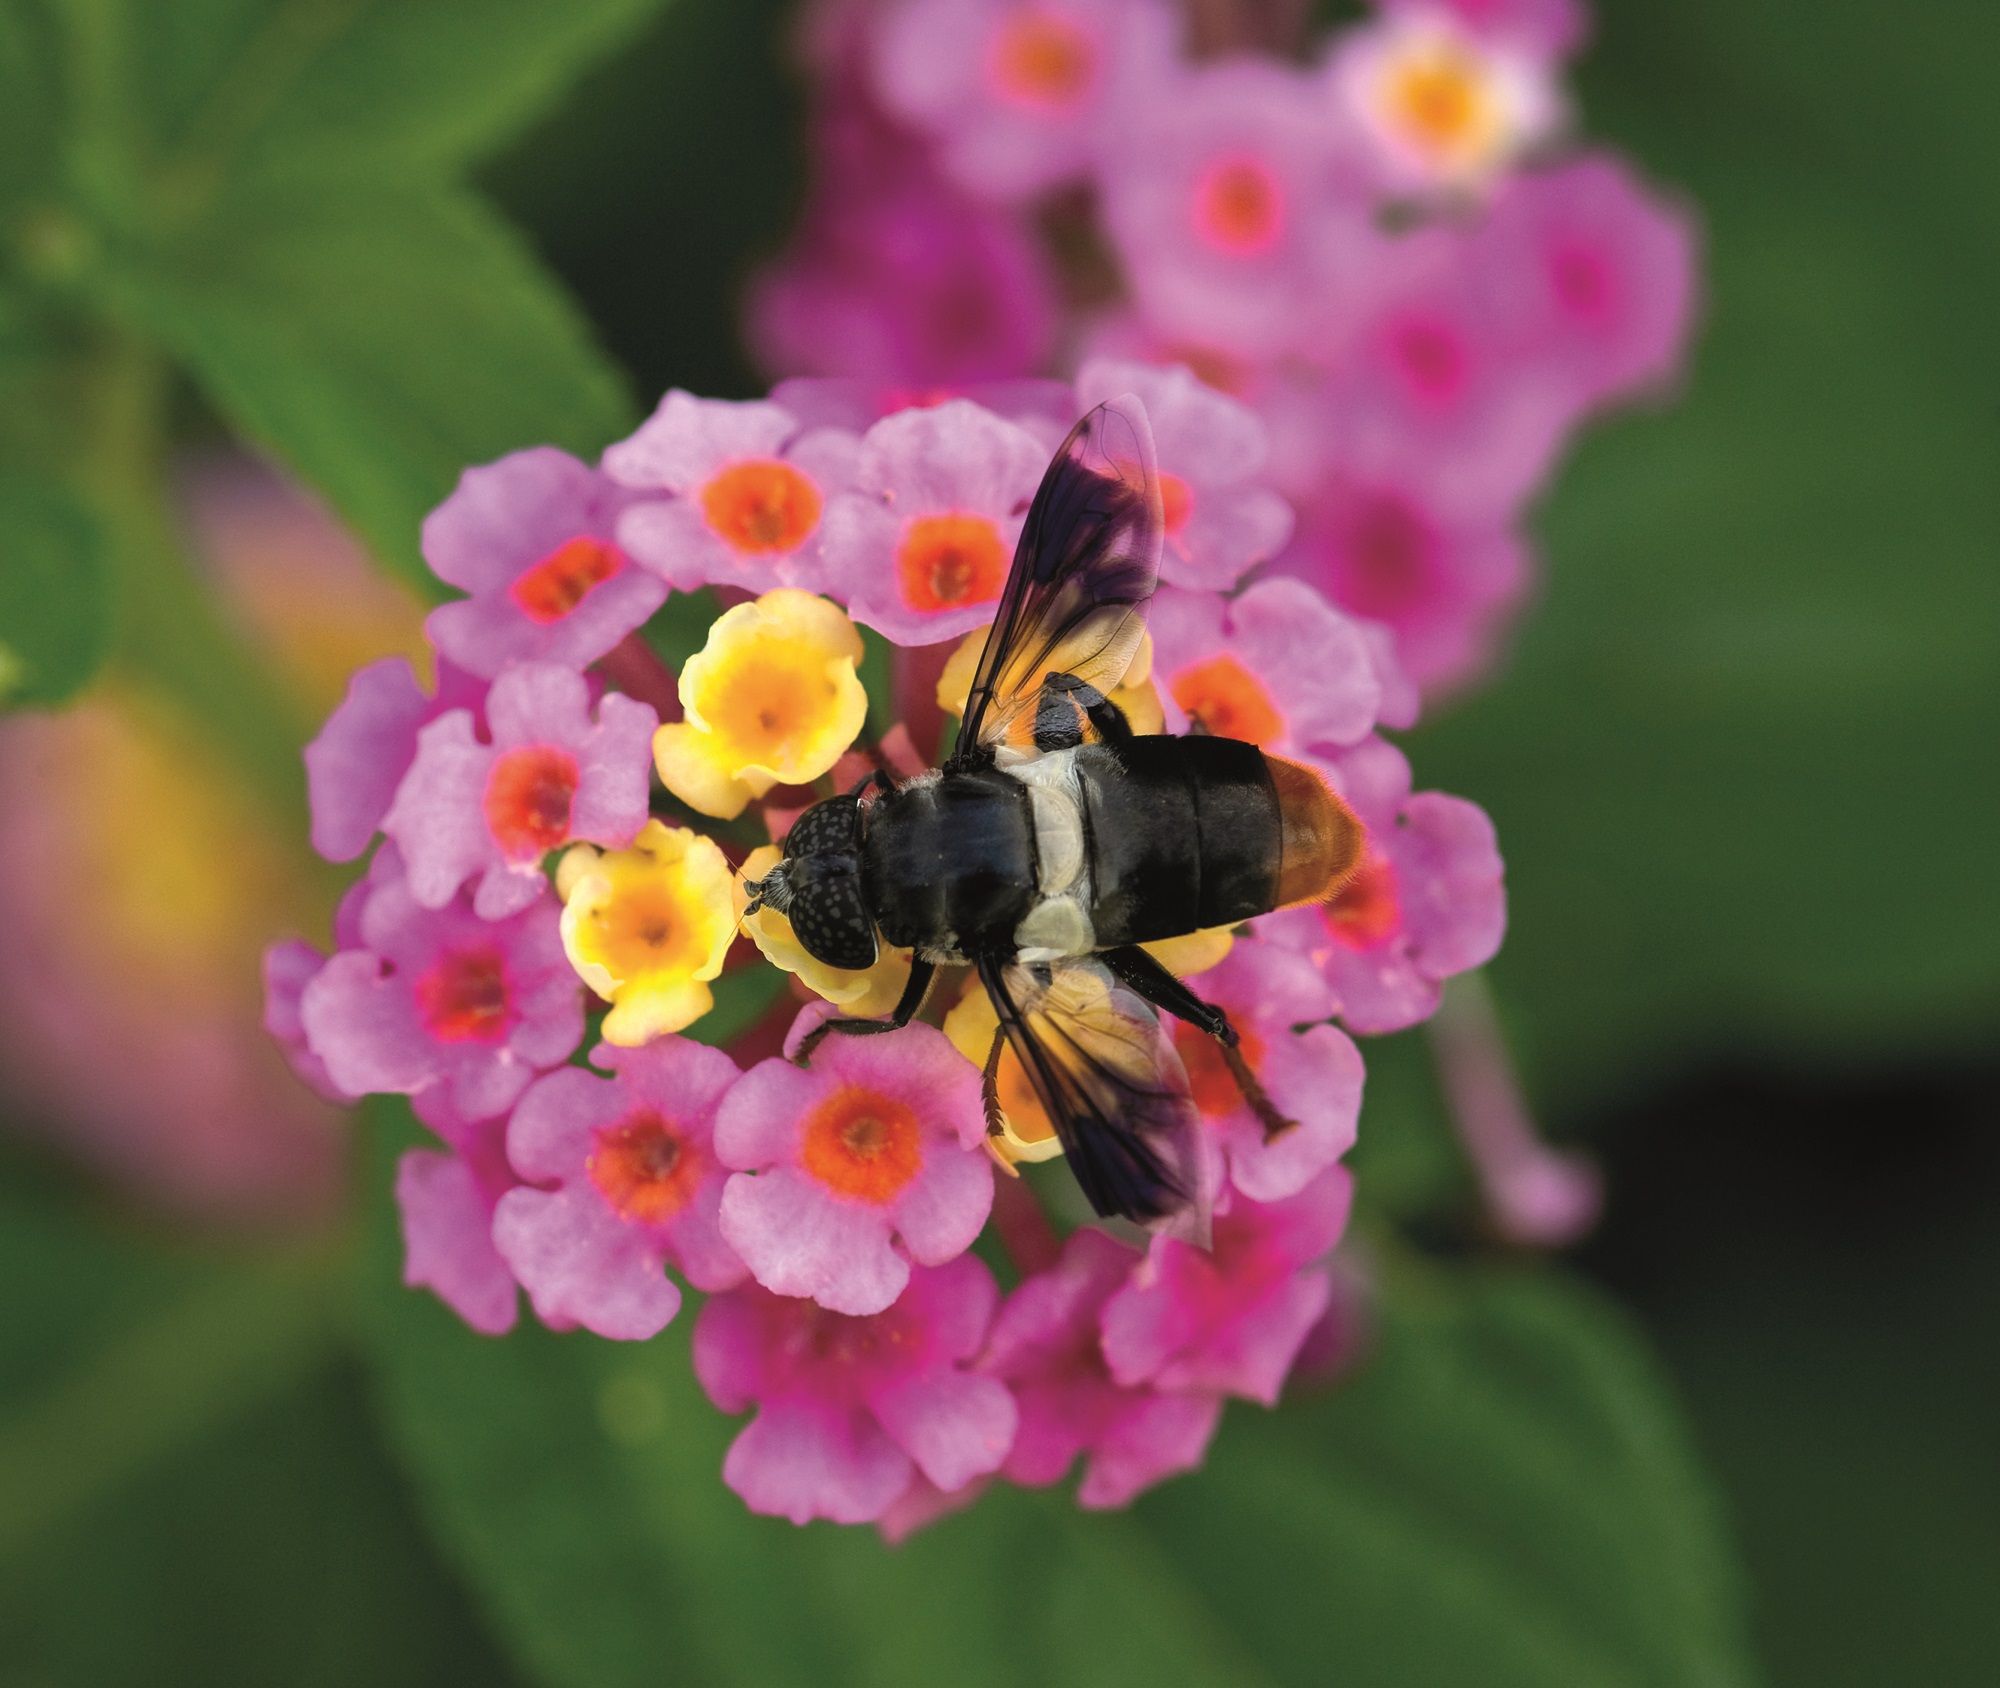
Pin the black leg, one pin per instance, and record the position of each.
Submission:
(1158, 986)
(878, 777)
(989, 1086)
(1056, 724)
(921, 974)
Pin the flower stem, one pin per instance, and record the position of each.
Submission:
(635, 669)
(1024, 1229)
(1536, 1195)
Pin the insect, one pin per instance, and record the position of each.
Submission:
(1054, 842)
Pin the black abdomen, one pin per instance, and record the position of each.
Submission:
(1185, 832)
(950, 863)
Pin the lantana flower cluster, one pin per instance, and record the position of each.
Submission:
(1387, 243)
(557, 829)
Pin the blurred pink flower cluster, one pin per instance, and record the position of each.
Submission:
(1387, 246)
(528, 955)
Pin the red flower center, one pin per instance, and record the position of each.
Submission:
(1388, 558)
(1214, 1086)
(1366, 911)
(553, 587)
(761, 506)
(863, 1144)
(1043, 60)
(1582, 281)
(945, 561)
(1432, 357)
(1239, 206)
(1228, 699)
(644, 1167)
(528, 797)
(463, 998)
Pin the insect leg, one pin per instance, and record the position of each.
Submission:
(1056, 725)
(1162, 989)
(989, 1083)
(921, 974)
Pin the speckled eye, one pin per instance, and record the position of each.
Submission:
(832, 922)
(832, 826)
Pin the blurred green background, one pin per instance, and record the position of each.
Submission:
(1742, 762)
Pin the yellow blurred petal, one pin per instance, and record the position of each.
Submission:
(1196, 952)
(1025, 1131)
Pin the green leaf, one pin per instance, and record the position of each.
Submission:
(378, 341)
(55, 599)
(235, 88)
(1505, 1492)
(1503, 1497)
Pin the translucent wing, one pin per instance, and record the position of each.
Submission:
(1074, 602)
(1112, 1085)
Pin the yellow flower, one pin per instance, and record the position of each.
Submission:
(1195, 953)
(647, 927)
(1135, 695)
(867, 993)
(771, 699)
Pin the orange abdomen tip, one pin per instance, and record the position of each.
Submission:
(1320, 837)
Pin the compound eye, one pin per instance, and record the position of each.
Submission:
(830, 920)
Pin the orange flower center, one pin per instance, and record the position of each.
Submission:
(1239, 207)
(565, 577)
(528, 797)
(1366, 911)
(1043, 60)
(1439, 100)
(644, 1167)
(945, 561)
(463, 999)
(1209, 1078)
(1176, 501)
(1228, 700)
(761, 506)
(863, 1144)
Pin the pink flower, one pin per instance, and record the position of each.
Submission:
(1313, 1076)
(1429, 900)
(1439, 385)
(289, 966)
(1045, 1345)
(879, 1142)
(850, 1409)
(1046, 409)
(920, 549)
(360, 756)
(1235, 202)
(628, 1181)
(1441, 574)
(439, 996)
(446, 1201)
(1277, 666)
(750, 489)
(1552, 27)
(548, 777)
(1231, 1319)
(1018, 93)
(895, 276)
(1219, 523)
(1596, 272)
(532, 538)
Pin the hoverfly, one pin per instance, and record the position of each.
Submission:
(1054, 842)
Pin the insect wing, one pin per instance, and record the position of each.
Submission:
(1074, 602)
(1113, 1087)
